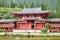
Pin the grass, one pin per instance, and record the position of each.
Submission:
(33, 35)
(39, 36)
(26, 37)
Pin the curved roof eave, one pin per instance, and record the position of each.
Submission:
(41, 12)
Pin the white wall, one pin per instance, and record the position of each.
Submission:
(26, 30)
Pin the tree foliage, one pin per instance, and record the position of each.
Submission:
(7, 6)
(2, 30)
(7, 12)
(47, 25)
(45, 29)
(44, 7)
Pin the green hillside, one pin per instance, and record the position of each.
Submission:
(8, 6)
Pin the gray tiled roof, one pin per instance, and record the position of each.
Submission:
(54, 19)
(31, 10)
(7, 20)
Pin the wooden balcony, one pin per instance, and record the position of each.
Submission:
(6, 25)
(39, 22)
(28, 18)
(54, 25)
(54, 30)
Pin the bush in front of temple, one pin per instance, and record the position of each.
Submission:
(2, 30)
(45, 30)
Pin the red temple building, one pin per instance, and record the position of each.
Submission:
(30, 20)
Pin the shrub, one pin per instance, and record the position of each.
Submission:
(44, 30)
(47, 25)
(2, 30)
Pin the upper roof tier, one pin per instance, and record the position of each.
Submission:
(32, 11)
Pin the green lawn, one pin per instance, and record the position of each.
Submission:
(7, 37)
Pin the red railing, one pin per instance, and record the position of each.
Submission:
(6, 25)
(54, 25)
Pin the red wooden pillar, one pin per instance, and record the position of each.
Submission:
(41, 25)
(11, 29)
(8, 29)
(34, 25)
(17, 25)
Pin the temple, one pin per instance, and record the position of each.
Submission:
(30, 20)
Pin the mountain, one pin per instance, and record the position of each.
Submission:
(47, 2)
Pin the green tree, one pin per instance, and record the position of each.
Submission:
(44, 7)
(28, 6)
(6, 16)
(44, 30)
(47, 25)
(58, 9)
(2, 30)
(32, 5)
